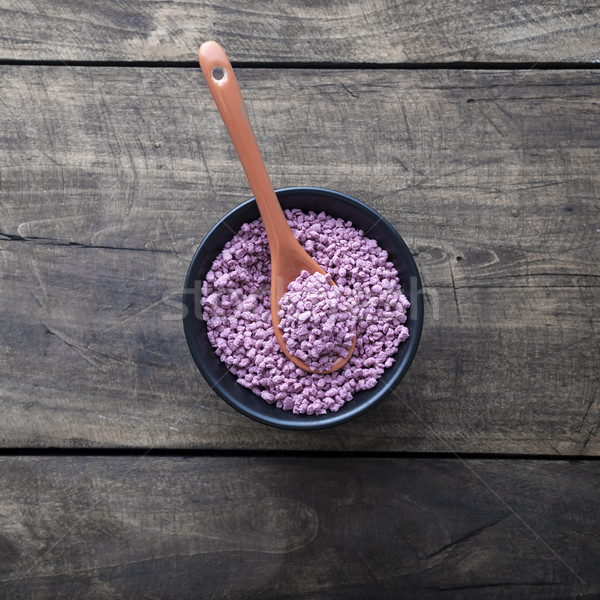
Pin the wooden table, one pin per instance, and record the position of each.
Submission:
(473, 127)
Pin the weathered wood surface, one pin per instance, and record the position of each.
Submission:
(135, 164)
(152, 527)
(139, 158)
(169, 527)
(379, 31)
(89, 358)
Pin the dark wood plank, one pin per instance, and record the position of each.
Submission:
(129, 527)
(266, 31)
(92, 355)
(135, 164)
(125, 158)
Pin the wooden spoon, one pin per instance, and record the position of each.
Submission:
(288, 258)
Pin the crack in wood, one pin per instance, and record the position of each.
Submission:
(595, 396)
(85, 352)
(56, 242)
(454, 290)
(495, 585)
(469, 535)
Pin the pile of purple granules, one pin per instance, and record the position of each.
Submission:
(236, 306)
(316, 320)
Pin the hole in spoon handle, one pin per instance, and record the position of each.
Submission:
(218, 74)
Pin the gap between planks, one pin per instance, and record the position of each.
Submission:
(300, 454)
(326, 65)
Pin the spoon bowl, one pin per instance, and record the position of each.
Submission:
(288, 257)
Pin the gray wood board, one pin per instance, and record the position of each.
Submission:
(354, 31)
(110, 177)
(265, 527)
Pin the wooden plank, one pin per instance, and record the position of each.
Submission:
(447, 156)
(135, 164)
(92, 355)
(267, 31)
(158, 527)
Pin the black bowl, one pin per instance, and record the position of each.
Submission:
(215, 372)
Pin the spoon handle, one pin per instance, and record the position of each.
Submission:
(225, 91)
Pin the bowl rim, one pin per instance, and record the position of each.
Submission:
(302, 422)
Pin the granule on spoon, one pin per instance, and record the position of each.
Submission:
(317, 325)
(236, 306)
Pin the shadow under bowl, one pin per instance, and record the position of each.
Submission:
(225, 383)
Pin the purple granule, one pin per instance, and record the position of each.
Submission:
(236, 306)
(317, 325)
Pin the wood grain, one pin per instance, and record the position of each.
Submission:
(381, 31)
(169, 527)
(110, 177)
(138, 158)
(93, 356)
